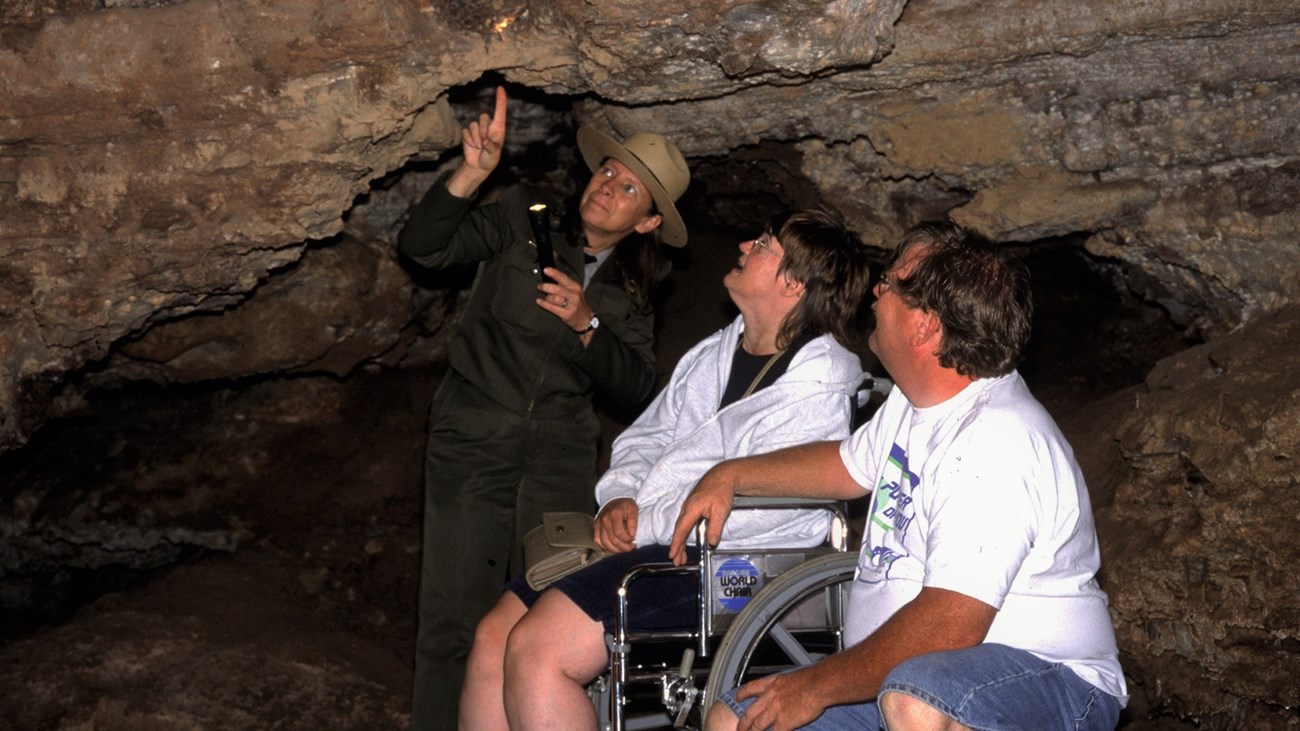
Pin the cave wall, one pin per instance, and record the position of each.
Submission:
(1194, 481)
(182, 187)
(163, 159)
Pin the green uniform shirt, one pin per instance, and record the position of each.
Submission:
(524, 357)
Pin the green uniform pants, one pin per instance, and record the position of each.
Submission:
(489, 475)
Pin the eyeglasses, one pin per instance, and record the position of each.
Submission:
(763, 242)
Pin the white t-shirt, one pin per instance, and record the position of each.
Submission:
(981, 495)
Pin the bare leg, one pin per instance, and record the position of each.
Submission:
(902, 712)
(553, 652)
(482, 706)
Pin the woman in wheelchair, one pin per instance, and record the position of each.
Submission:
(780, 374)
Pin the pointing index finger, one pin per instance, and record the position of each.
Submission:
(499, 115)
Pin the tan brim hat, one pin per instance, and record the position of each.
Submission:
(655, 161)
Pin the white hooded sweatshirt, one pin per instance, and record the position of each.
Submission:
(659, 458)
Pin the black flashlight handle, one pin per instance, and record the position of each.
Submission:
(541, 224)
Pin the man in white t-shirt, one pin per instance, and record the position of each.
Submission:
(975, 603)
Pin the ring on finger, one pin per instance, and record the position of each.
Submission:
(565, 303)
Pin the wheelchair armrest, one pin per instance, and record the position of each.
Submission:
(618, 643)
(838, 509)
(764, 501)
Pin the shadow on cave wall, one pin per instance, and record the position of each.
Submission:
(1091, 335)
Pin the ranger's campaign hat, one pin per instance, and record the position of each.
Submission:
(655, 161)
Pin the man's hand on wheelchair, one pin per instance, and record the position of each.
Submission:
(615, 529)
(710, 500)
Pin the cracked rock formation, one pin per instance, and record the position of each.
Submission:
(1195, 476)
(207, 190)
(160, 160)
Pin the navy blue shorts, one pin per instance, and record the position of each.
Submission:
(654, 602)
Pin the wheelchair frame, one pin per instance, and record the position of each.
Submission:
(761, 618)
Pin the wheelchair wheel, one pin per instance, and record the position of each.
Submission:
(759, 641)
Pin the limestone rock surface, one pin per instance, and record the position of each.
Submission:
(205, 190)
(166, 659)
(1195, 477)
(160, 160)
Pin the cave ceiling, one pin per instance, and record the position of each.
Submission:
(176, 178)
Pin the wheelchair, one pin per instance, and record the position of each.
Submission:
(760, 611)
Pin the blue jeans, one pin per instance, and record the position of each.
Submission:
(989, 687)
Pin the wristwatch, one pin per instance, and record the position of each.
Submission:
(592, 325)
